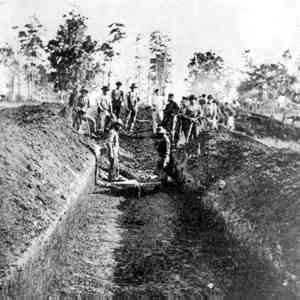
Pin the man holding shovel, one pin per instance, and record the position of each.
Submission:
(104, 110)
(113, 150)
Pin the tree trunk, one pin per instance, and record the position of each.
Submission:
(109, 73)
(28, 88)
(13, 87)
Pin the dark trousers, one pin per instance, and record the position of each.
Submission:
(78, 116)
(167, 122)
(131, 118)
(170, 170)
(185, 123)
(114, 168)
(116, 106)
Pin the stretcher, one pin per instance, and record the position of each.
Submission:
(126, 185)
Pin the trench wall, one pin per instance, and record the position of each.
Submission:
(255, 189)
(43, 168)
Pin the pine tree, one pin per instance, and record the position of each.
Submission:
(32, 55)
(71, 54)
(160, 61)
(108, 48)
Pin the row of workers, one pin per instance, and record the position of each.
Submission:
(192, 115)
(107, 107)
(169, 121)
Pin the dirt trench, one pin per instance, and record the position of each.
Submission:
(162, 246)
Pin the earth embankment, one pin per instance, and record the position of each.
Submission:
(43, 165)
(254, 189)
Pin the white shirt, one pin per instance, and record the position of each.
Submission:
(113, 143)
(134, 98)
(104, 103)
(281, 101)
(157, 102)
(231, 123)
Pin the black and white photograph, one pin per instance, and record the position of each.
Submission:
(150, 149)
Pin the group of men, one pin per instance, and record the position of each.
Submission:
(188, 119)
(192, 115)
(106, 109)
(171, 121)
(104, 116)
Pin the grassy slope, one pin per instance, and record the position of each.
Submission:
(40, 157)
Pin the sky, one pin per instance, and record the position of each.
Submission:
(267, 27)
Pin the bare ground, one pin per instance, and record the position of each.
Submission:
(204, 242)
(40, 160)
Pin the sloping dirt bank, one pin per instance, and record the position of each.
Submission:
(161, 246)
(43, 168)
(255, 189)
(265, 127)
(160, 242)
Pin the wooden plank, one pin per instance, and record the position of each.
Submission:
(127, 184)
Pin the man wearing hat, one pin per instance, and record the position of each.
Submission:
(163, 147)
(104, 109)
(157, 103)
(170, 112)
(132, 105)
(81, 107)
(117, 97)
(113, 149)
(193, 113)
(184, 122)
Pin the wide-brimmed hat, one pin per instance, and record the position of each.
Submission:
(119, 83)
(105, 88)
(171, 96)
(118, 122)
(83, 90)
(133, 86)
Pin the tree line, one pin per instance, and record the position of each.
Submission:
(73, 58)
(261, 82)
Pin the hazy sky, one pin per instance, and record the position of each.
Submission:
(228, 26)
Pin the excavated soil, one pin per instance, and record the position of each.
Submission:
(40, 159)
(229, 230)
(255, 189)
(265, 127)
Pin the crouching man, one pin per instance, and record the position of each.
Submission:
(165, 166)
(113, 150)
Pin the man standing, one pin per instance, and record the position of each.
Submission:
(117, 97)
(165, 163)
(104, 109)
(81, 107)
(72, 104)
(157, 105)
(170, 112)
(182, 122)
(132, 105)
(193, 113)
(113, 150)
